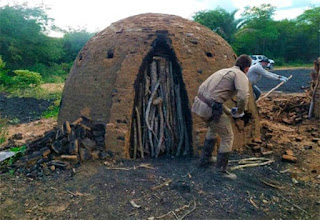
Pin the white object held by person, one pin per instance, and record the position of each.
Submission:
(235, 114)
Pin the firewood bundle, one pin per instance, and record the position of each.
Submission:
(159, 122)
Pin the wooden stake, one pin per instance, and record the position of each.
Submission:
(313, 98)
(135, 139)
(149, 104)
(268, 93)
(161, 130)
(180, 119)
(153, 75)
(139, 133)
(150, 139)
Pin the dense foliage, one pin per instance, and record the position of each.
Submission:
(25, 44)
(286, 41)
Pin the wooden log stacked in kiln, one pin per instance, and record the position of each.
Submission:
(159, 123)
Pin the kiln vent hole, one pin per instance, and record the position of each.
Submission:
(161, 120)
(209, 54)
(110, 54)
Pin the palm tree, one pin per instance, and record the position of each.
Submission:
(220, 21)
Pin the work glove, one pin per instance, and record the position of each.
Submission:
(235, 114)
(283, 79)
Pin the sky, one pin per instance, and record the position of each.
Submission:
(96, 15)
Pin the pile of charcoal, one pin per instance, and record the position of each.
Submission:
(63, 148)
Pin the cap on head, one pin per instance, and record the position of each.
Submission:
(264, 59)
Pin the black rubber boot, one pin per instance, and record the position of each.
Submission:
(222, 165)
(206, 156)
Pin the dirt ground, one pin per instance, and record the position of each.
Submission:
(175, 188)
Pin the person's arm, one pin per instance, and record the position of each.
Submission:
(267, 74)
(242, 86)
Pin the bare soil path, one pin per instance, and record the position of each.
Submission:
(175, 188)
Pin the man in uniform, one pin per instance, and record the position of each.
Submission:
(208, 104)
(257, 71)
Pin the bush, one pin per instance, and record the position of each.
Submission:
(53, 110)
(54, 73)
(25, 79)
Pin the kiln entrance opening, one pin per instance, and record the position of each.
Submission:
(161, 119)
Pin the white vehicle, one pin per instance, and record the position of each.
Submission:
(258, 58)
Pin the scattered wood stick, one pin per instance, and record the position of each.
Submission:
(250, 160)
(146, 165)
(267, 153)
(252, 165)
(72, 193)
(166, 183)
(175, 215)
(119, 168)
(173, 212)
(298, 207)
(194, 207)
(164, 215)
(134, 205)
(78, 193)
(272, 185)
(143, 165)
(253, 203)
(285, 171)
(182, 208)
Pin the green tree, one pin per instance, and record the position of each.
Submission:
(73, 41)
(258, 31)
(308, 25)
(282, 50)
(23, 42)
(220, 21)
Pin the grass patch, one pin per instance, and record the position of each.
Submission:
(7, 164)
(53, 110)
(36, 92)
(54, 78)
(3, 130)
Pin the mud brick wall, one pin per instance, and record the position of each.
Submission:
(100, 84)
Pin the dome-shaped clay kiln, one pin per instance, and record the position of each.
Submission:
(140, 75)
